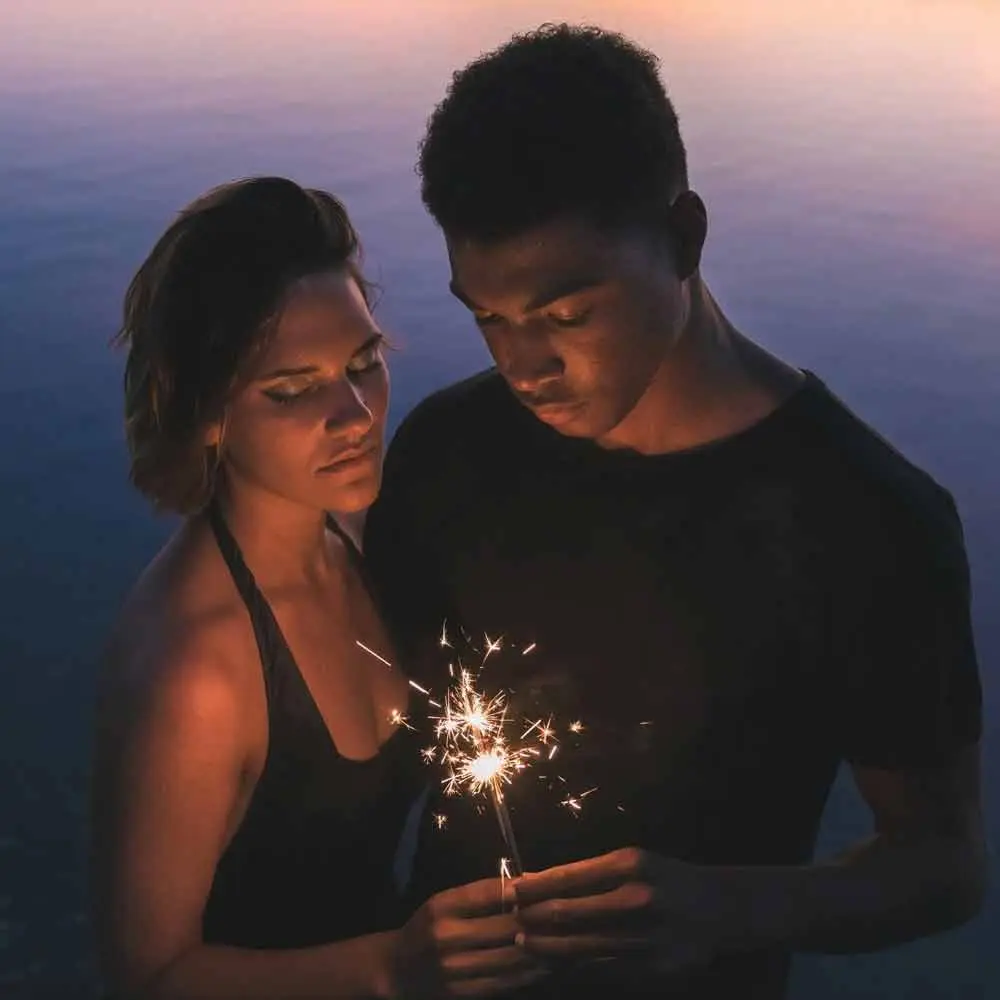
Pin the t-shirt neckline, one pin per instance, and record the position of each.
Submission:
(588, 452)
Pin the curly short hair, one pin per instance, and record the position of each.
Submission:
(201, 306)
(560, 121)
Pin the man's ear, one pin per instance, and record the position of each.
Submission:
(689, 228)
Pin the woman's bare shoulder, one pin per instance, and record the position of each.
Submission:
(183, 628)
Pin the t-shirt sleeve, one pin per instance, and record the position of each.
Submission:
(399, 549)
(909, 679)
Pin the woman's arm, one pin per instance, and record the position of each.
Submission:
(170, 759)
(171, 755)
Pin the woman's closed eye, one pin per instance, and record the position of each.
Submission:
(291, 389)
(299, 386)
(367, 359)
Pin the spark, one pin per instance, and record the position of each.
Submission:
(545, 731)
(528, 649)
(397, 718)
(440, 820)
(575, 802)
(576, 727)
(492, 646)
(444, 635)
(429, 754)
(373, 653)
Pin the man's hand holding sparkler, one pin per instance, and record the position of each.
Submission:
(460, 943)
(661, 913)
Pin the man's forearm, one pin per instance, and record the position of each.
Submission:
(877, 895)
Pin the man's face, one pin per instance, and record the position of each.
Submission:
(578, 321)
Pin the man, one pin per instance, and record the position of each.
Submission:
(730, 580)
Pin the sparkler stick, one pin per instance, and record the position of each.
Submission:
(514, 867)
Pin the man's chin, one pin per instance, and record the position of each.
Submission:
(563, 417)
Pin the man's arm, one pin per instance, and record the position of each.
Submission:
(909, 709)
(906, 704)
(925, 870)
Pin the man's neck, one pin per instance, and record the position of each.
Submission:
(713, 383)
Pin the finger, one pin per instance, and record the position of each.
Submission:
(489, 962)
(632, 902)
(581, 946)
(493, 985)
(489, 895)
(582, 878)
(454, 934)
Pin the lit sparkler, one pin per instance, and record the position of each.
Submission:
(475, 746)
(475, 742)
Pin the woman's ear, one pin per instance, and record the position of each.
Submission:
(215, 431)
(213, 434)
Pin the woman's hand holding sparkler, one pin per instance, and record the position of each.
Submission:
(461, 943)
(664, 914)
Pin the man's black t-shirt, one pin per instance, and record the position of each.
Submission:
(728, 623)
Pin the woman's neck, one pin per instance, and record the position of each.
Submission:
(282, 542)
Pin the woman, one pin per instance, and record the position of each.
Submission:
(251, 783)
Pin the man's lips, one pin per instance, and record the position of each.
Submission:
(554, 412)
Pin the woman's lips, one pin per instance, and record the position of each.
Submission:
(348, 460)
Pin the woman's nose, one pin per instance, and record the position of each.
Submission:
(349, 413)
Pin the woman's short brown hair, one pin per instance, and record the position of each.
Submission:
(199, 308)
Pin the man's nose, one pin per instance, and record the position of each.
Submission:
(528, 362)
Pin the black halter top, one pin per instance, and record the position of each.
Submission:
(324, 850)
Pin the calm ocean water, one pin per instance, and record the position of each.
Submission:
(849, 153)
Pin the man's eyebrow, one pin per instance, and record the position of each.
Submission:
(557, 290)
(560, 289)
(373, 341)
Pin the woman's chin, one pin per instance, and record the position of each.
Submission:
(354, 498)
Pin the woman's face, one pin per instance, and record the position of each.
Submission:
(309, 422)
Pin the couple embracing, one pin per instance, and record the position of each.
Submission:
(734, 582)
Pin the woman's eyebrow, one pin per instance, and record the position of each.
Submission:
(288, 372)
(276, 373)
